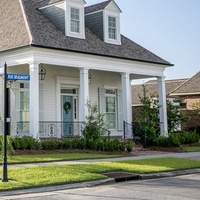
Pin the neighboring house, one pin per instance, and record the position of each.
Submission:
(152, 89)
(151, 92)
(189, 93)
(186, 90)
(73, 54)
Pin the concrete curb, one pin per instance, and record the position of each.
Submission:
(97, 183)
(58, 187)
(169, 174)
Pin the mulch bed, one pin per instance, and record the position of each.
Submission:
(65, 151)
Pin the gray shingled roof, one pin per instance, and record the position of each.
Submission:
(53, 1)
(14, 34)
(192, 85)
(152, 89)
(96, 7)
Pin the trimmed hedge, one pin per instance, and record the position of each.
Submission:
(28, 143)
(177, 139)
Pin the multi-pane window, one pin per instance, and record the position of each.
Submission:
(112, 28)
(24, 106)
(111, 112)
(75, 20)
(110, 103)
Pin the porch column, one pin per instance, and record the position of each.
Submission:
(163, 106)
(34, 99)
(126, 100)
(84, 93)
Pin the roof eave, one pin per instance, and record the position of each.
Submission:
(47, 47)
(60, 49)
(185, 94)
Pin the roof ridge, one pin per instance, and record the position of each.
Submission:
(97, 6)
(26, 22)
(185, 82)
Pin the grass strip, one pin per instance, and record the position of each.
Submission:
(47, 176)
(16, 159)
(191, 149)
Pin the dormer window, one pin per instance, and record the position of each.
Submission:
(103, 19)
(112, 27)
(68, 16)
(75, 20)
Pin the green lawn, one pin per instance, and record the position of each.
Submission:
(56, 157)
(51, 175)
(191, 149)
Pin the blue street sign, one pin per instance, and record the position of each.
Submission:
(21, 77)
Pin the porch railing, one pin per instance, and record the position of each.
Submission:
(53, 129)
(22, 129)
(128, 130)
(56, 129)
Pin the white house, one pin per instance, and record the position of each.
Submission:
(84, 56)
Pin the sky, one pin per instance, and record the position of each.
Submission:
(168, 28)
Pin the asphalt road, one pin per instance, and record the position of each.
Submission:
(185, 187)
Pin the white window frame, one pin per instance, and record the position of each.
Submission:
(115, 113)
(68, 31)
(74, 20)
(112, 28)
(117, 39)
(18, 91)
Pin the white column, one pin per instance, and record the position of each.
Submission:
(163, 106)
(84, 94)
(126, 100)
(34, 99)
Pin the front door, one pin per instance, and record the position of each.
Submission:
(68, 115)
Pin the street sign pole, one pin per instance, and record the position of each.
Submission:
(6, 126)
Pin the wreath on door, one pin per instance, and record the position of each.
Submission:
(67, 106)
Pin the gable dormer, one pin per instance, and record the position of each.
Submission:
(68, 16)
(103, 19)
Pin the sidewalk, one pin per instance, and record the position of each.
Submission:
(154, 154)
(194, 155)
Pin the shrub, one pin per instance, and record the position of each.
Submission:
(121, 147)
(174, 140)
(189, 137)
(99, 145)
(66, 144)
(10, 149)
(23, 143)
(116, 144)
(15, 143)
(50, 144)
(129, 147)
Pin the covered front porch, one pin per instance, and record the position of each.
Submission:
(38, 108)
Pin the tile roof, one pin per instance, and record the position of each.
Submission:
(192, 85)
(152, 89)
(15, 29)
(96, 7)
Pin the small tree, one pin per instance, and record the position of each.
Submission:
(95, 125)
(148, 121)
(196, 108)
(148, 128)
(174, 116)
